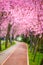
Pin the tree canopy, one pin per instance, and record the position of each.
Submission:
(23, 16)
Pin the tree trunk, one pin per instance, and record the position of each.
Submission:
(0, 44)
(41, 62)
(8, 35)
(6, 42)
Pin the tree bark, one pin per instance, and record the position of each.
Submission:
(8, 35)
(0, 44)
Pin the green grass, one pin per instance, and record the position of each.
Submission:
(37, 58)
(3, 45)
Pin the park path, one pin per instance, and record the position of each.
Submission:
(17, 56)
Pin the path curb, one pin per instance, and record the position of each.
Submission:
(27, 57)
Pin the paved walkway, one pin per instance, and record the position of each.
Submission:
(16, 56)
(6, 53)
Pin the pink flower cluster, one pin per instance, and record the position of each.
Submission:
(25, 15)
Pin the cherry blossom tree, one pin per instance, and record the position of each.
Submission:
(26, 15)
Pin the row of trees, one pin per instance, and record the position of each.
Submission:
(23, 18)
(2, 19)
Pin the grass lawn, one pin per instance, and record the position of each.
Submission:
(38, 58)
(3, 45)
